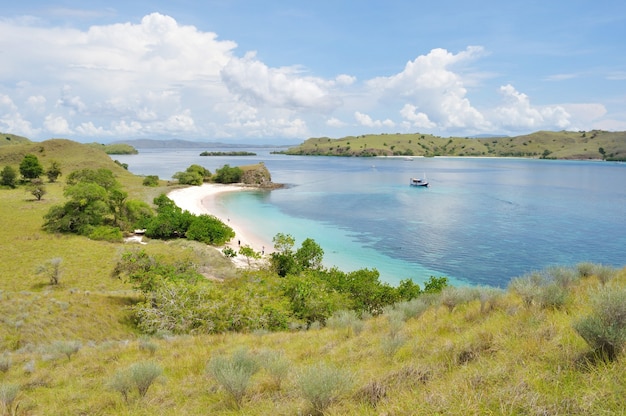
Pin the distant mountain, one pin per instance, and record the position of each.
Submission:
(185, 144)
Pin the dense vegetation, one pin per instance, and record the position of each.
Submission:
(596, 144)
(239, 153)
(170, 327)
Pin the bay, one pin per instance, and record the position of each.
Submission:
(482, 221)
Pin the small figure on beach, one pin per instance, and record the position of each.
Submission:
(238, 242)
(263, 250)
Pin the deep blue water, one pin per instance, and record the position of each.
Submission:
(482, 220)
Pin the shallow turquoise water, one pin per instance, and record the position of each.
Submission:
(482, 221)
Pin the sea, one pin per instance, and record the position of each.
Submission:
(482, 221)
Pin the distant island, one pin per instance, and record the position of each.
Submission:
(206, 153)
(579, 145)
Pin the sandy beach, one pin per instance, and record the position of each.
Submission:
(195, 199)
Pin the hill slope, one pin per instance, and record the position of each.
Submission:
(69, 349)
(543, 144)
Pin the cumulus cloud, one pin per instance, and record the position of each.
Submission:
(516, 112)
(367, 121)
(158, 78)
(430, 83)
(256, 83)
(416, 119)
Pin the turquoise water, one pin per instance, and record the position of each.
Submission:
(482, 221)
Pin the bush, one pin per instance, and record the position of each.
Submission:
(143, 375)
(5, 363)
(547, 289)
(209, 230)
(605, 328)
(8, 394)
(453, 296)
(106, 233)
(276, 365)
(52, 270)
(346, 320)
(234, 373)
(67, 348)
(151, 180)
(321, 384)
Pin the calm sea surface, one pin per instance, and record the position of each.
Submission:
(482, 221)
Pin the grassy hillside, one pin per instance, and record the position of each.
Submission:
(7, 139)
(69, 349)
(543, 144)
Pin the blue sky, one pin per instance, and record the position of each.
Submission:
(283, 71)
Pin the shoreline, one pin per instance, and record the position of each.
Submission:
(200, 200)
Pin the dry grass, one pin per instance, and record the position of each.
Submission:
(508, 358)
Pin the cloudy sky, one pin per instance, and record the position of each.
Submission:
(273, 71)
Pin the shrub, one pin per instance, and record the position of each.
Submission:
(346, 320)
(276, 365)
(234, 373)
(321, 384)
(585, 269)
(8, 394)
(547, 289)
(122, 383)
(413, 308)
(145, 344)
(51, 269)
(5, 363)
(392, 343)
(143, 376)
(106, 233)
(605, 328)
(67, 348)
(453, 296)
(151, 180)
(605, 273)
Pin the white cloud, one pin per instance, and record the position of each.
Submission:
(57, 125)
(516, 112)
(416, 119)
(159, 78)
(367, 121)
(335, 122)
(429, 83)
(257, 84)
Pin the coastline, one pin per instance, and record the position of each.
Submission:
(200, 200)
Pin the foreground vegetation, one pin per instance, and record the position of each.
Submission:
(596, 144)
(90, 327)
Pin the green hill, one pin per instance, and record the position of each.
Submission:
(11, 139)
(594, 144)
(75, 348)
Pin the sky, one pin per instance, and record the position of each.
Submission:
(282, 71)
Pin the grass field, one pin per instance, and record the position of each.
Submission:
(73, 349)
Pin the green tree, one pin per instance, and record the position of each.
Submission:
(228, 174)
(188, 178)
(8, 177)
(249, 254)
(210, 230)
(54, 171)
(87, 207)
(309, 255)
(30, 167)
(435, 284)
(102, 177)
(282, 261)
